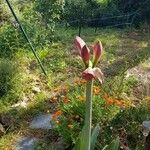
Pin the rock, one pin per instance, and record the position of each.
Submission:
(146, 124)
(41, 122)
(146, 128)
(36, 89)
(20, 104)
(26, 143)
(2, 130)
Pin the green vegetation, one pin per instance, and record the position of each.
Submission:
(120, 104)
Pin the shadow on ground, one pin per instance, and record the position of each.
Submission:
(129, 60)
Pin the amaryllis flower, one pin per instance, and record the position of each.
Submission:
(85, 54)
(91, 73)
(97, 51)
(79, 43)
(83, 50)
(88, 74)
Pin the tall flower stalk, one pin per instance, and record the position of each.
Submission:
(90, 73)
(88, 114)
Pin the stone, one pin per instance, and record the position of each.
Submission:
(2, 130)
(146, 128)
(36, 89)
(26, 143)
(42, 121)
(22, 104)
(146, 124)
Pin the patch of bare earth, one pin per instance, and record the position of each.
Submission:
(142, 74)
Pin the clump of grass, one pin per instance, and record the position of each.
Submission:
(127, 124)
(7, 73)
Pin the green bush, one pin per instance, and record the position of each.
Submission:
(7, 72)
(10, 40)
(49, 12)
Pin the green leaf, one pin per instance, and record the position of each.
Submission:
(94, 136)
(80, 142)
(114, 145)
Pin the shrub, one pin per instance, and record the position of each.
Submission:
(49, 11)
(10, 40)
(7, 72)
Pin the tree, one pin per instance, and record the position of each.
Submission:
(50, 11)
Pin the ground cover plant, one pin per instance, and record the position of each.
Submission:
(120, 104)
(69, 99)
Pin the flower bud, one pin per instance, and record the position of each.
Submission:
(88, 74)
(79, 43)
(85, 54)
(91, 73)
(97, 51)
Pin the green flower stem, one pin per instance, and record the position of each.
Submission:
(88, 115)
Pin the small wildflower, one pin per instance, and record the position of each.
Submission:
(128, 103)
(62, 96)
(118, 103)
(53, 99)
(109, 101)
(80, 81)
(111, 128)
(65, 88)
(57, 89)
(121, 110)
(66, 100)
(56, 115)
(47, 111)
(57, 122)
(83, 81)
(70, 126)
(96, 90)
(81, 98)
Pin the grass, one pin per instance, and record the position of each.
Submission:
(123, 49)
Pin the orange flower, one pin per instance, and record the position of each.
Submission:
(83, 81)
(128, 103)
(81, 98)
(53, 99)
(70, 126)
(96, 90)
(56, 115)
(80, 81)
(65, 88)
(66, 99)
(57, 89)
(109, 101)
(118, 103)
(57, 122)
